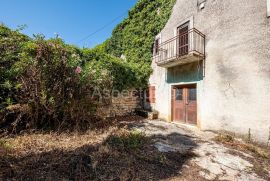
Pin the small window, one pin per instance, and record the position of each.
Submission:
(178, 94)
(192, 94)
(156, 47)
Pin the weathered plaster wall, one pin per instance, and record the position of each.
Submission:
(268, 8)
(235, 93)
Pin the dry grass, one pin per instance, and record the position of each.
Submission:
(5, 147)
(112, 154)
(244, 146)
(261, 155)
(38, 143)
(224, 138)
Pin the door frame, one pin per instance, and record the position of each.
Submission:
(171, 102)
(190, 21)
(178, 45)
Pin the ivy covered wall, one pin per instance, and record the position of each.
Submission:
(134, 37)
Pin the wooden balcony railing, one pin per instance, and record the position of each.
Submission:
(190, 43)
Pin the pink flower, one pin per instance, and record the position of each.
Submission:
(78, 70)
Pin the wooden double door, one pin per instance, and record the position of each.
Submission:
(184, 104)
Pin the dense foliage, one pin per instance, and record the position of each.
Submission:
(48, 83)
(134, 37)
(11, 44)
(56, 81)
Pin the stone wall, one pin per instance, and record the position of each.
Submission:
(121, 105)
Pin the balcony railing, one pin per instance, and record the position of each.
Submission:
(184, 48)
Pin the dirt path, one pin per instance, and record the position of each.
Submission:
(213, 161)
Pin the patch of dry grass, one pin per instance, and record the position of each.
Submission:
(244, 146)
(115, 153)
(38, 142)
(224, 138)
(261, 155)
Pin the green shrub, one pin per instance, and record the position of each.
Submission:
(5, 147)
(11, 45)
(127, 140)
(44, 76)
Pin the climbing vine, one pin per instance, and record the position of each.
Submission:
(134, 37)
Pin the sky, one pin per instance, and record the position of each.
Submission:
(84, 23)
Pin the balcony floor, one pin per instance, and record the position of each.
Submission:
(185, 59)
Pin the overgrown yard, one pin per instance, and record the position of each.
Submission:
(128, 148)
(114, 153)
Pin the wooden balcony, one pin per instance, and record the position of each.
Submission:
(185, 48)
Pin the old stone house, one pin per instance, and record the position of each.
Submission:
(211, 66)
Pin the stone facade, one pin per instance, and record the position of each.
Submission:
(121, 105)
(234, 89)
